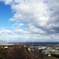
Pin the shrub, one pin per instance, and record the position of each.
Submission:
(18, 52)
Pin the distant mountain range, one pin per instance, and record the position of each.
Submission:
(33, 42)
(40, 42)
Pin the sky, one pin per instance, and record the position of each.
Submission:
(29, 20)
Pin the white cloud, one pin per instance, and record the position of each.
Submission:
(24, 39)
(7, 1)
(20, 31)
(41, 16)
(17, 25)
(30, 11)
(5, 32)
(34, 30)
(55, 36)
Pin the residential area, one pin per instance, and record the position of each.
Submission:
(44, 52)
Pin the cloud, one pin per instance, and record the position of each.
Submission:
(7, 1)
(29, 11)
(25, 39)
(34, 30)
(20, 31)
(41, 16)
(17, 25)
(5, 32)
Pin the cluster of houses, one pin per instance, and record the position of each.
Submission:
(5, 45)
(45, 49)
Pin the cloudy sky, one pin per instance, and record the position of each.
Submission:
(29, 20)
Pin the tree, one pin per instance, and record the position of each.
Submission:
(20, 53)
(3, 53)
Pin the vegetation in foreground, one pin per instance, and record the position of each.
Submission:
(21, 52)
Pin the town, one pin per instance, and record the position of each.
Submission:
(44, 51)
